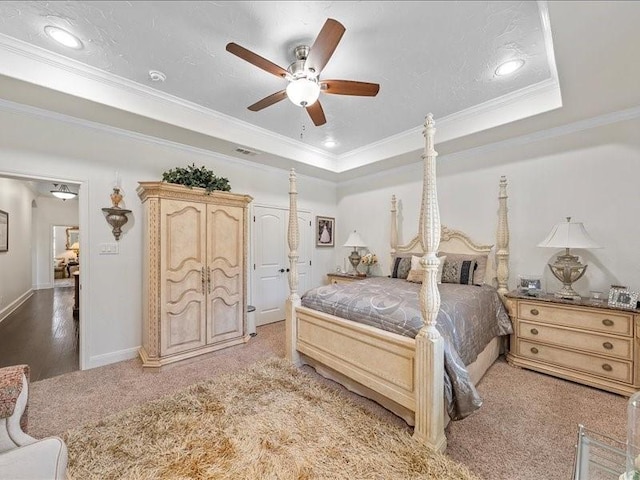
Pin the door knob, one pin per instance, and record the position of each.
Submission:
(281, 270)
(287, 269)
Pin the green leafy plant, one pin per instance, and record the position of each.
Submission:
(191, 176)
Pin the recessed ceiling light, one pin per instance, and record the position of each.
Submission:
(509, 67)
(330, 143)
(63, 37)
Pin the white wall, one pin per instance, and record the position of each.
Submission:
(49, 212)
(15, 265)
(590, 175)
(112, 284)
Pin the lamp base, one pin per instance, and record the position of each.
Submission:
(355, 258)
(567, 293)
(568, 269)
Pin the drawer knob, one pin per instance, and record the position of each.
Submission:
(535, 350)
(608, 345)
(606, 367)
(607, 323)
(534, 331)
(534, 311)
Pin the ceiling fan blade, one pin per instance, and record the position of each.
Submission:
(317, 114)
(256, 60)
(268, 101)
(325, 44)
(349, 87)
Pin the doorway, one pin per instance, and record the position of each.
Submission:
(271, 262)
(39, 327)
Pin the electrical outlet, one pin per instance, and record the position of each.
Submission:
(108, 249)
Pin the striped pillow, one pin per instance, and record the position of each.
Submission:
(458, 271)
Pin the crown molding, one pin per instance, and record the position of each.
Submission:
(554, 132)
(33, 64)
(526, 102)
(27, 62)
(13, 107)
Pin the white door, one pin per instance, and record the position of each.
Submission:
(271, 263)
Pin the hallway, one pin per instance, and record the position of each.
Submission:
(41, 333)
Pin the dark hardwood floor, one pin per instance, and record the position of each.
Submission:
(41, 333)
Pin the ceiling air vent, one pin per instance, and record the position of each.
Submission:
(245, 151)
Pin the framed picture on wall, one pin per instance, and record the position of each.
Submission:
(325, 230)
(4, 231)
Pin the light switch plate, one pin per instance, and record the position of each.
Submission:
(108, 249)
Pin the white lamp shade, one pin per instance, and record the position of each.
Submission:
(354, 240)
(569, 235)
(303, 92)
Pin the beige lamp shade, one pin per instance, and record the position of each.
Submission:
(569, 235)
(354, 240)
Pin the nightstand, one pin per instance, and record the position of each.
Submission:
(343, 278)
(578, 340)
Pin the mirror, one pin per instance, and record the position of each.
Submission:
(73, 236)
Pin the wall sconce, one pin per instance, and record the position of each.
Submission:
(116, 216)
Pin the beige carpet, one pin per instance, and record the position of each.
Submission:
(271, 421)
(525, 430)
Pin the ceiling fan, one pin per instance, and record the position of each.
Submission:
(303, 74)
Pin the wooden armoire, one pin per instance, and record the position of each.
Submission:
(194, 264)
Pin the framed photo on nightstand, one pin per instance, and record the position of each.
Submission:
(530, 285)
(622, 297)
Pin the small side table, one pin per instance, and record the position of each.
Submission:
(598, 457)
(344, 278)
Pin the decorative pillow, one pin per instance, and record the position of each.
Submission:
(481, 265)
(416, 273)
(401, 267)
(458, 271)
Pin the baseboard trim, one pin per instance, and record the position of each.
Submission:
(113, 357)
(13, 306)
(42, 286)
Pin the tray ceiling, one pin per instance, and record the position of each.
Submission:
(435, 57)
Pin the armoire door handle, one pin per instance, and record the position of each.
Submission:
(287, 269)
(209, 279)
(202, 280)
(282, 270)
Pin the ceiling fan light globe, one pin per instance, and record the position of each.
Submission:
(303, 92)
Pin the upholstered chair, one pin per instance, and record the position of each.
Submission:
(22, 456)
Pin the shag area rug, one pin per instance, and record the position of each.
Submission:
(270, 421)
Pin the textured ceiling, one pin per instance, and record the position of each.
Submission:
(427, 56)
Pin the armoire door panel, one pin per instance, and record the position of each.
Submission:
(182, 294)
(184, 328)
(224, 322)
(225, 256)
(184, 226)
(225, 233)
(178, 286)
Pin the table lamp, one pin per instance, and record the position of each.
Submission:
(567, 268)
(354, 241)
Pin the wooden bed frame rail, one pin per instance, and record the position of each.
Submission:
(407, 372)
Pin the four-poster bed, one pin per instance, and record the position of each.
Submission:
(403, 374)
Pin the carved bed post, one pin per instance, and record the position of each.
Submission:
(293, 301)
(502, 240)
(394, 228)
(429, 360)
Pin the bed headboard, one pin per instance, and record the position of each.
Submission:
(456, 241)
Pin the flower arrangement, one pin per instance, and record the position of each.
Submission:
(370, 259)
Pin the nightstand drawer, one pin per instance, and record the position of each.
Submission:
(600, 320)
(601, 344)
(602, 367)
